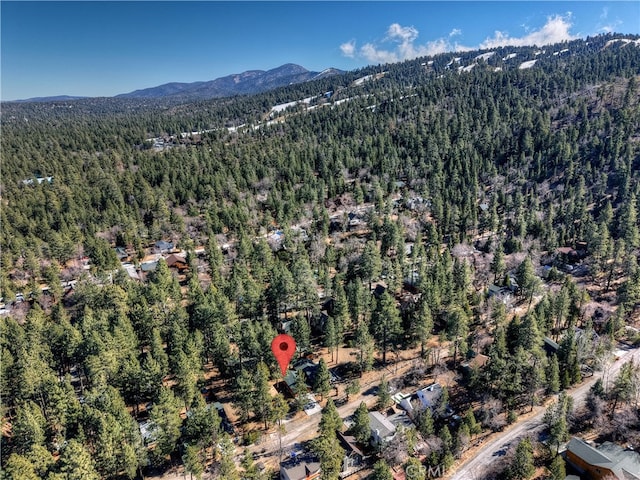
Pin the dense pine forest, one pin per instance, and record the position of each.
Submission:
(446, 209)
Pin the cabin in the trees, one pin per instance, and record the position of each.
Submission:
(177, 262)
(354, 459)
(162, 246)
(305, 469)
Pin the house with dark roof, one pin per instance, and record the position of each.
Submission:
(300, 470)
(354, 459)
(550, 347)
(177, 262)
(606, 461)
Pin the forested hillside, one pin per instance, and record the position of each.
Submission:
(485, 204)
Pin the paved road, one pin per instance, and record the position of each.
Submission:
(494, 449)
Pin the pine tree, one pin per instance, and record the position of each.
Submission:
(352, 388)
(322, 381)
(262, 395)
(19, 467)
(227, 466)
(192, 462)
(76, 463)
(244, 394)
(28, 427)
(381, 471)
(361, 429)
(330, 420)
(386, 325)
(557, 468)
(457, 331)
(364, 344)
(300, 390)
(384, 397)
(423, 325)
(470, 420)
(166, 423)
(522, 467)
(553, 375)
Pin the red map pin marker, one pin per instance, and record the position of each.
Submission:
(283, 348)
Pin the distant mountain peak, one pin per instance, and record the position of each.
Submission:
(248, 82)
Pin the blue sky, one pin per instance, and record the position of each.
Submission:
(105, 48)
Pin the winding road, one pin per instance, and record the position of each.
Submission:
(494, 449)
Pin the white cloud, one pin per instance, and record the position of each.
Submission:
(554, 31)
(404, 46)
(610, 25)
(372, 54)
(405, 34)
(348, 48)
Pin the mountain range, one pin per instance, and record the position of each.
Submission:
(252, 81)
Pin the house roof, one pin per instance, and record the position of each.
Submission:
(566, 251)
(550, 344)
(624, 464)
(348, 442)
(430, 395)
(380, 424)
(301, 470)
(173, 259)
(478, 361)
(148, 266)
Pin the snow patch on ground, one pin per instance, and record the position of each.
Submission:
(525, 65)
(485, 56)
(282, 106)
(360, 81)
(468, 68)
(510, 56)
(626, 41)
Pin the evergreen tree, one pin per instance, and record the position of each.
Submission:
(352, 388)
(498, 264)
(364, 343)
(19, 467)
(557, 468)
(470, 421)
(322, 381)
(330, 422)
(261, 395)
(553, 375)
(386, 325)
(381, 471)
(244, 395)
(422, 326)
(166, 423)
(300, 390)
(361, 429)
(192, 462)
(227, 466)
(384, 395)
(457, 331)
(528, 282)
(28, 428)
(522, 467)
(75, 462)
